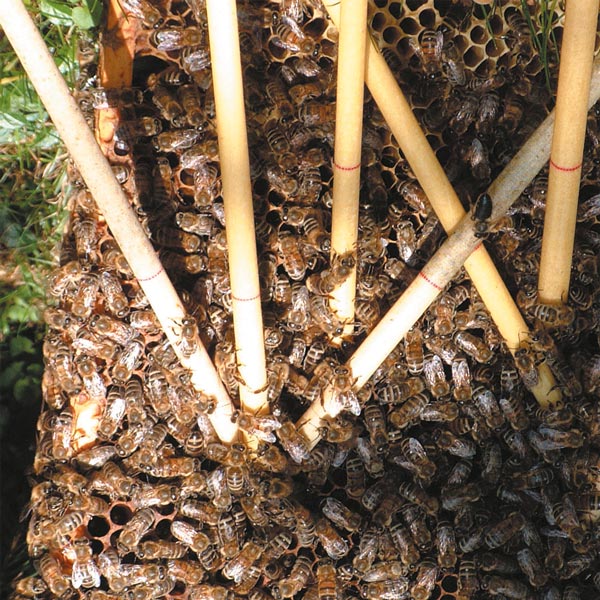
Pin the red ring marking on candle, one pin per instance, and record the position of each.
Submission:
(345, 168)
(433, 283)
(245, 299)
(566, 169)
(151, 277)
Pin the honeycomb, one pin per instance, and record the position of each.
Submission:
(452, 482)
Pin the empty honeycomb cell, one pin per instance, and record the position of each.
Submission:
(410, 26)
(493, 48)
(395, 10)
(473, 56)
(485, 68)
(478, 35)
(496, 25)
(391, 35)
(120, 514)
(379, 22)
(380, 3)
(414, 5)
(316, 27)
(98, 526)
(427, 18)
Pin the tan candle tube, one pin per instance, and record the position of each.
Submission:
(98, 176)
(424, 163)
(347, 150)
(237, 197)
(576, 58)
(440, 270)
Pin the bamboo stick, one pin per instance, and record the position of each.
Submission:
(439, 271)
(98, 176)
(347, 152)
(237, 197)
(576, 58)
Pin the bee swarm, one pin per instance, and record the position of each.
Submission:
(446, 480)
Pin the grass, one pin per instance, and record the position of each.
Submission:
(33, 182)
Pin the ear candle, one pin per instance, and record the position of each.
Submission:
(347, 153)
(566, 156)
(237, 198)
(98, 176)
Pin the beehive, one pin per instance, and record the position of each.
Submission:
(468, 475)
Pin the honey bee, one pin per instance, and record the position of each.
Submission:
(288, 246)
(409, 553)
(429, 51)
(415, 494)
(497, 535)
(355, 477)
(62, 435)
(458, 446)
(116, 300)
(85, 572)
(314, 113)
(277, 94)
(151, 550)
(532, 567)
(171, 110)
(52, 575)
(276, 138)
(261, 427)
(452, 63)
(107, 327)
(299, 576)
(288, 35)
(425, 582)
(375, 423)
(413, 346)
(143, 10)
(409, 411)
(511, 588)
(168, 39)
(30, 586)
(415, 453)
(206, 591)
(482, 211)
(341, 515)
(248, 555)
(85, 297)
(554, 316)
(385, 590)
(433, 371)
(334, 545)
(86, 238)
(468, 579)
(189, 571)
(133, 531)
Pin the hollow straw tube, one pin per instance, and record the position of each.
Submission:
(98, 176)
(576, 59)
(440, 270)
(347, 151)
(237, 198)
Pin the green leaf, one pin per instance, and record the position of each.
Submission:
(95, 9)
(82, 17)
(10, 374)
(21, 345)
(26, 390)
(56, 12)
